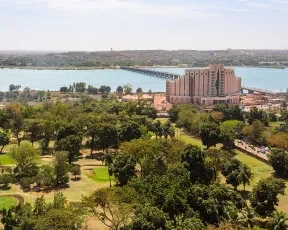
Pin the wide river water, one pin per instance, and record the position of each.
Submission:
(271, 79)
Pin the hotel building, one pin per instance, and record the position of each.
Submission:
(205, 86)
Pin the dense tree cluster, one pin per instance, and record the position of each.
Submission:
(161, 183)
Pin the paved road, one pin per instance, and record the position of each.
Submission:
(243, 145)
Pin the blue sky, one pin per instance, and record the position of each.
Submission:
(143, 24)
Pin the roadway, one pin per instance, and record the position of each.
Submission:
(256, 151)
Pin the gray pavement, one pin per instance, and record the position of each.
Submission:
(245, 146)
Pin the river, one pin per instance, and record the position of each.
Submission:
(264, 78)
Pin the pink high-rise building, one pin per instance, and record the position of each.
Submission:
(205, 86)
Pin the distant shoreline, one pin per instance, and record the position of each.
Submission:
(117, 67)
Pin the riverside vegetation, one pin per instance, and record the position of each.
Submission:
(155, 180)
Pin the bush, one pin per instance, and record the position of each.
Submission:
(5, 180)
(26, 182)
(75, 170)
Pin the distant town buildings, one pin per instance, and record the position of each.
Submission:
(205, 86)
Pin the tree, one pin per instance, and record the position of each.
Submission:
(127, 89)
(61, 168)
(279, 161)
(237, 173)
(194, 161)
(278, 221)
(230, 112)
(80, 87)
(59, 200)
(264, 196)
(168, 130)
(16, 123)
(64, 89)
(149, 91)
(104, 89)
(107, 136)
(25, 156)
(46, 176)
(139, 90)
(71, 144)
(75, 170)
(174, 113)
(92, 90)
(119, 89)
(230, 131)
(255, 133)
(112, 206)
(124, 168)
(13, 87)
(128, 131)
(245, 175)
(149, 217)
(59, 219)
(256, 114)
(216, 159)
(279, 140)
(209, 133)
(188, 224)
(4, 139)
(34, 129)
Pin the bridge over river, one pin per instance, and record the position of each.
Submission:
(173, 76)
(154, 73)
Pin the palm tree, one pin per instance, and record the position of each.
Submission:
(246, 218)
(244, 175)
(278, 221)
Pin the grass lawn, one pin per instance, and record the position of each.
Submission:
(259, 169)
(7, 202)
(100, 175)
(6, 160)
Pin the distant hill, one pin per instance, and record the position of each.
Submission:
(192, 58)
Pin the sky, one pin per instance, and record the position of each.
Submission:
(96, 25)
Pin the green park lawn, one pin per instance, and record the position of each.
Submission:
(7, 202)
(5, 160)
(100, 175)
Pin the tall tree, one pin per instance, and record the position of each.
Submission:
(128, 131)
(264, 196)
(209, 133)
(216, 159)
(194, 161)
(25, 157)
(119, 89)
(230, 131)
(61, 168)
(278, 159)
(255, 133)
(34, 129)
(124, 168)
(112, 206)
(127, 89)
(71, 144)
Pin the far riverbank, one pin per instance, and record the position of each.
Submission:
(118, 67)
